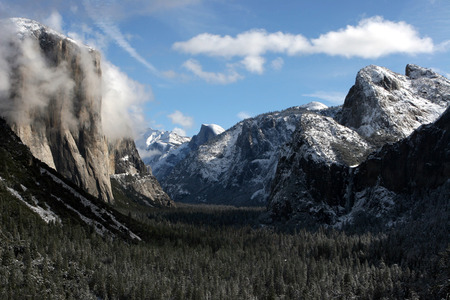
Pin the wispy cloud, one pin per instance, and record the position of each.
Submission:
(332, 97)
(54, 21)
(277, 63)
(114, 33)
(220, 78)
(243, 115)
(97, 10)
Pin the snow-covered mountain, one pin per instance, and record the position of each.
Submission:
(321, 172)
(384, 106)
(238, 167)
(162, 150)
(153, 144)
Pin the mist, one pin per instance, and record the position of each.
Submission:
(122, 114)
(31, 83)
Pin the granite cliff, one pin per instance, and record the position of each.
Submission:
(52, 98)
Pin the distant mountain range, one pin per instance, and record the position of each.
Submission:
(298, 161)
(163, 150)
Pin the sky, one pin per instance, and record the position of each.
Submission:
(190, 62)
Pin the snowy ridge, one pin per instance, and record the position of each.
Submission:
(46, 214)
(326, 140)
(237, 166)
(377, 157)
(386, 105)
(215, 128)
(314, 106)
(155, 146)
(26, 27)
(163, 150)
(216, 157)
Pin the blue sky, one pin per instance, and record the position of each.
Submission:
(191, 61)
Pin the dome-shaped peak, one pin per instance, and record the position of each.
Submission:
(314, 105)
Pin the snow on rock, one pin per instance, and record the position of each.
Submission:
(237, 166)
(216, 129)
(379, 162)
(314, 106)
(46, 214)
(163, 150)
(384, 106)
(100, 213)
(327, 140)
(26, 27)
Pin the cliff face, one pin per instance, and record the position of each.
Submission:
(53, 101)
(56, 100)
(133, 177)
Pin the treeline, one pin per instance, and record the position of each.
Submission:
(185, 257)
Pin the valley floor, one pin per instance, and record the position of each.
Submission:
(207, 252)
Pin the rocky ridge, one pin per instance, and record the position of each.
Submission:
(317, 183)
(237, 166)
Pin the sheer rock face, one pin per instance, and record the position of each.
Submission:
(326, 175)
(55, 105)
(53, 102)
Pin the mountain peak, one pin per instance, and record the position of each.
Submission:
(30, 28)
(384, 106)
(314, 105)
(415, 71)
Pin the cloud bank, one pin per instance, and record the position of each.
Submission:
(371, 38)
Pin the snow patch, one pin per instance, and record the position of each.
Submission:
(46, 214)
(99, 212)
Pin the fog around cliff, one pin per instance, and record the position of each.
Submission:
(122, 114)
(121, 97)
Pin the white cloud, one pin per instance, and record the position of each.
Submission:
(221, 78)
(54, 21)
(277, 63)
(243, 115)
(179, 131)
(122, 114)
(179, 118)
(370, 38)
(254, 42)
(373, 38)
(333, 97)
(254, 64)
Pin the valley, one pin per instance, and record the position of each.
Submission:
(309, 202)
